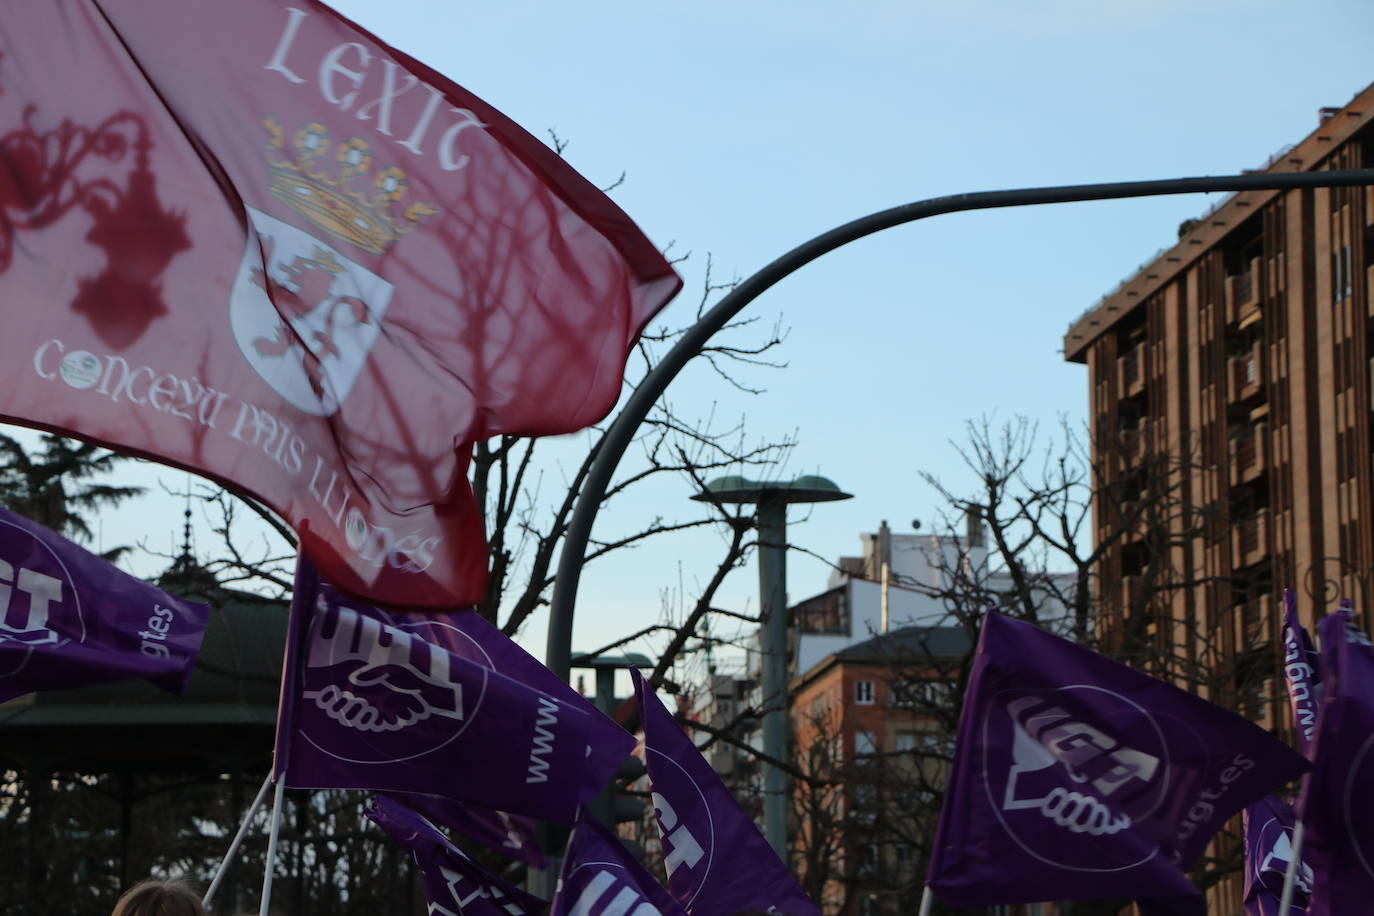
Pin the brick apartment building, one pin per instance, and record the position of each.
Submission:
(865, 716)
(1248, 346)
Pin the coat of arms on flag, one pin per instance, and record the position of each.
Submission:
(304, 315)
(296, 260)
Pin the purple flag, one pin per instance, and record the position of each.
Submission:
(467, 634)
(601, 879)
(69, 618)
(1302, 673)
(509, 834)
(454, 883)
(717, 861)
(1338, 798)
(1268, 850)
(375, 706)
(1076, 777)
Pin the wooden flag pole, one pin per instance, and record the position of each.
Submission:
(272, 849)
(238, 840)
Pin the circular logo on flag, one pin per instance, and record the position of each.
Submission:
(1080, 763)
(39, 603)
(686, 825)
(376, 693)
(1357, 798)
(80, 369)
(1276, 842)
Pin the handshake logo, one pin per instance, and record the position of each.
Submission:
(1079, 776)
(371, 677)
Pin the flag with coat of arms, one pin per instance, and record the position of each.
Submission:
(252, 240)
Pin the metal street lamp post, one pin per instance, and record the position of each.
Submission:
(772, 499)
(612, 445)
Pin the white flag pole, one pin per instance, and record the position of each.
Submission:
(1289, 876)
(238, 840)
(272, 848)
(926, 901)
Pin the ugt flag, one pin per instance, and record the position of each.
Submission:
(1075, 776)
(1302, 674)
(509, 834)
(454, 883)
(600, 879)
(1339, 795)
(1268, 826)
(369, 704)
(716, 859)
(253, 240)
(466, 633)
(69, 618)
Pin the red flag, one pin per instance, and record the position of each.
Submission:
(252, 240)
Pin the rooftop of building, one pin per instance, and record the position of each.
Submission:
(1336, 126)
(907, 645)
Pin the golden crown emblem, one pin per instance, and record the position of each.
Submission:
(345, 203)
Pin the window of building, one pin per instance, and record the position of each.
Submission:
(863, 693)
(865, 743)
(827, 613)
(871, 860)
(904, 741)
(919, 694)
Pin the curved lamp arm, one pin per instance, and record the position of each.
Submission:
(616, 439)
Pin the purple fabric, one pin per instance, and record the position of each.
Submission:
(717, 861)
(1339, 795)
(601, 879)
(1077, 777)
(1268, 850)
(467, 634)
(1302, 674)
(454, 883)
(508, 834)
(374, 706)
(1192, 905)
(69, 618)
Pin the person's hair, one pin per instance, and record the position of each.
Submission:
(159, 898)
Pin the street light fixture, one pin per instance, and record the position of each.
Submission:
(772, 498)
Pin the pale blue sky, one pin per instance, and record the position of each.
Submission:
(747, 127)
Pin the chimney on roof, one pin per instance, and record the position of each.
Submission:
(884, 546)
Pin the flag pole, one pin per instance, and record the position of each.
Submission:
(1289, 876)
(238, 840)
(272, 848)
(926, 900)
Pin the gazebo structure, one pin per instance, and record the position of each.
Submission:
(133, 745)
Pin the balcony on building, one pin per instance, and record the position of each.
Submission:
(1245, 374)
(1130, 368)
(1131, 591)
(1249, 454)
(1369, 286)
(1254, 621)
(1242, 294)
(1249, 540)
(1135, 442)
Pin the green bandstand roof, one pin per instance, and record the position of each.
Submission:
(225, 721)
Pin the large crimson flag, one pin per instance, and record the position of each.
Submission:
(250, 239)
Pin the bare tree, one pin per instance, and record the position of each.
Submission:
(1088, 540)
